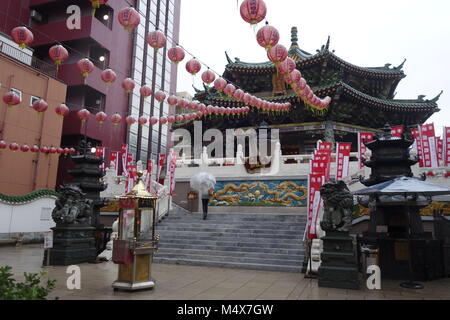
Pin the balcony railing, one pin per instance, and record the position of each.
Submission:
(27, 59)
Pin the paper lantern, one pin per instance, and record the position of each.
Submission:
(287, 66)
(146, 91)
(53, 150)
(247, 98)
(253, 11)
(85, 66)
(267, 36)
(172, 101)
(170, 119)
(229, 90)
(193, 66)
(179, 118)
(176, 54)
(220, 84)
(160, 96)
(208, 76)
(22, 36)
(128, 85)
(11, 99)
(24, 148)
(101, 117)
(163, 120)
(34, 149)
(142, 120)
(156, 39)
(83, 114)
(116, 119)
(238, 94)
(153, 120)
(66, 151)
(14, 146)
(108, 76)
(277, 54)
(60, 150)
(62, 110)
(3, 144)
(130, 120)
(129, 18)
(40, 106)
(72, 150)
(58, 54)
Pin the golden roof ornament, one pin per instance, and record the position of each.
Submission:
(139, 190)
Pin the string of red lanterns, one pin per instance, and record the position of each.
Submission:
(14, 146)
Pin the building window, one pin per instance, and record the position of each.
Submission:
(18, 92)
(33, 99)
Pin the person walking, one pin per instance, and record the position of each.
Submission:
(205, 201)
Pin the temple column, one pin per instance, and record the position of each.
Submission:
(329, 132)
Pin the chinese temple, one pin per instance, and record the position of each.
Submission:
(363, 99)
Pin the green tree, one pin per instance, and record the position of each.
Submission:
(30, 289)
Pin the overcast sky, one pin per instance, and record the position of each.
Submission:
(365, 33)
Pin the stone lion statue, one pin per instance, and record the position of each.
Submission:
(72, 207)
(338, 205)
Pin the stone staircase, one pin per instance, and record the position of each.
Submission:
(249, 241)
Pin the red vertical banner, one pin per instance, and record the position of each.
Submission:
(342, 160)
(417, 146)
(150, 165)
(397, 131)
(440, 145)
(446, 146)
(363, 137)
(132, 177)
(429, 145)
(161, 162)
(100, 153)
(114, 158)
(172, 167)
(124, 153)
(315, 181)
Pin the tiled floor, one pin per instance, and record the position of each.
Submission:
(175, 282)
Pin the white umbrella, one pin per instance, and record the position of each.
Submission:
(203, 182)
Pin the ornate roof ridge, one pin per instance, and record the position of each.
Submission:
(22, 199)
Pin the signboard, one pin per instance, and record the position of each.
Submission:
(48, 240)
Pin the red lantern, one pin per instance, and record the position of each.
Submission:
(128, 85)
(130, 120)
(62, 110)
(85, 66)
(247, 98)
(24, 148)
(153, 120)
(238, 94)
(193, 66)
(72, 150)
(170, 119)
(156, 39)
(146, 91)
(44, 149)
(253, 11)
(142, 120)
(287, 66)
(176, 54)
(163, 120)
(14, 146)
(220, 84)
(178, 118)
(101, 117)
(53, 150)
(116, 119)
(83, 114)
(129, 18)
(11, 99)
(3, 144)
(160, 96)
(40, 106)
(208, 76)
(294, 78)
(172, 101)
(108, 76)
(66, 151)
(34, 149)
(267, 36)
(229, 90)
(277, 54)
(60, 150)
(22, 36)
(58, 54)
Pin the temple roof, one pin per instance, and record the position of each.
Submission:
(305, 59)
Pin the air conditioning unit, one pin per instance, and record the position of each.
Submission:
(36, 16)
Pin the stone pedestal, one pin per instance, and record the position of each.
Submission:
(339, 268)
(72, 245)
